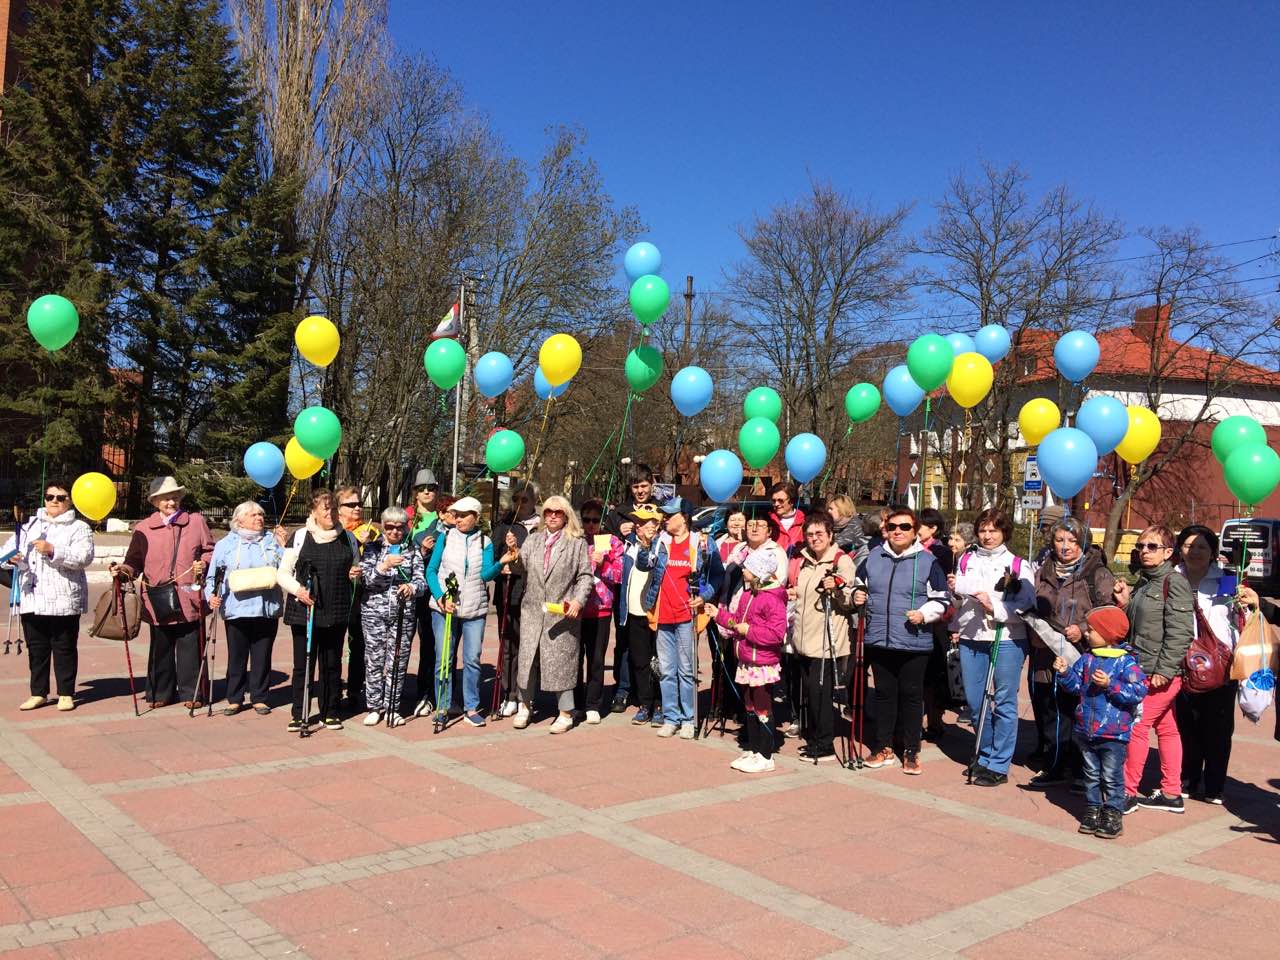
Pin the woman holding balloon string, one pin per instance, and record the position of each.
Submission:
(48, 555)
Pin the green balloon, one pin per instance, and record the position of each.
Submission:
(762, 402)
(446, 362)
(1236, 432)
(758, 440)
(861, 402)
(1252, 473)
(53, 321)
(929, 360)
(318, 432)
(644, 367)
(503, 451)
(649, 298)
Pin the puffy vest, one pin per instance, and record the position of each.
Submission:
(464, 557)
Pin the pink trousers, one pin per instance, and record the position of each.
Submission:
(1157, 714)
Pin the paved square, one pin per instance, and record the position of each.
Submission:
(178, 837)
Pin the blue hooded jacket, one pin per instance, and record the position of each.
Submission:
(1105, 713)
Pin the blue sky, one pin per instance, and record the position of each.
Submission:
(701, 114)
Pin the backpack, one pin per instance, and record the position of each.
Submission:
(1207, 663)
(1017, 563)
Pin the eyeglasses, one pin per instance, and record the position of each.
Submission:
(350, 504)
(1151, 547)
(899, 526)
(757, 524)
(782, 500)
(393, 526)
(587, 520)
(56, 498)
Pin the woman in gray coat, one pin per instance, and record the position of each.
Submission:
(557, 565)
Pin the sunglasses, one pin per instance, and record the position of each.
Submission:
(781, 500)
(899, 526)
(351, 504)
(1151, 547)
(549, 513)
(56, 498)
(429, 488)
(393, 526)
(590, 519)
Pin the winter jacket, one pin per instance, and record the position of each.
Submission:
(324, 557)
(605, 577)
(152, 552)
(809, 625)
(1161, 620)
(897, 583)
(236, 552)
(978, 573)
(469, 556)
(851, 538)
(1105, 713)
(52, 586)
(764, 611)
(708, 571)
(551, 640)
(631, 550)
(1065, 603)
(791, 540)
(381, 598)
(1217, 607)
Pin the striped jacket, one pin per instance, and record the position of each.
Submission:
(52, 586)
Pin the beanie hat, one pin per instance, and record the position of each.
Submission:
(1109, 622)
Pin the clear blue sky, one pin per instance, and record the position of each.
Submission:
(702, 113)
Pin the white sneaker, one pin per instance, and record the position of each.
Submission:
(757, 764)
(686, 731)
(667, 730)
(397, 720)
(522, 717)
(562, 724)
(743, 762)
(593, 716)
(373, 718)
(425, 706)
(509, 708)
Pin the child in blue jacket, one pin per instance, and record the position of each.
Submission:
(1111, 687)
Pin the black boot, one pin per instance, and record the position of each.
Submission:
(1092, 820)
(1112, 824)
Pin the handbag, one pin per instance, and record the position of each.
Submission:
(163, 596)
(107, 615)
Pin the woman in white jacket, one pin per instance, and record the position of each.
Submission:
(52, 550)
(992, 587)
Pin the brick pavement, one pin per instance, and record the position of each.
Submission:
(226, 837)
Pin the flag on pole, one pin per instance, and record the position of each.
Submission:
(449, 326)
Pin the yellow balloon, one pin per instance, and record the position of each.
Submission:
(560, 358)
(94, 495)
(1038, 418)
(970, 379)
(300, 463)
(317, 340)
(1142, 437)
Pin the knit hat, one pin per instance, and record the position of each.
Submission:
(761, 564)
(1109, 622)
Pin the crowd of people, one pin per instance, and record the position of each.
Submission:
(849, 632)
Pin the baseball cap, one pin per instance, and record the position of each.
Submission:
(645, 511)
(466, 505)
(673, 506)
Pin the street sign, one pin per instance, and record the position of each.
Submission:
(1031, 481)
(1033, 501)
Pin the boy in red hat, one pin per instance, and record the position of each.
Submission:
(1111, 687)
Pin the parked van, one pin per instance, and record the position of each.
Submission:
(1253, 543)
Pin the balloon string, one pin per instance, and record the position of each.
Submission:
(831, 464)
(622, 431)
(293, 486)
(537, 447)
(603, 449)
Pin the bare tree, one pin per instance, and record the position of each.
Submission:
(1204, 330)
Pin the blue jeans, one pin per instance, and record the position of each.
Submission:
(1000, 732)
(675, 660)
(471, 632)
(1103, 772)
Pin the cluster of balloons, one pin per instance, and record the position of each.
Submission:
(1250, 467)
(1068, 456)
(649, 294)
(54, 322)
(759, 438)
(961, 362)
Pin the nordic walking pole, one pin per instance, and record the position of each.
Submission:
(389, 691)
(206, 665)
(124, 635)
(988, 695)
(305, 729)
(857, 694)
(444, 670)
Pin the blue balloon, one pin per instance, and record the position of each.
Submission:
(1067, 459)
(642, 259)
(1105, 420)
(691, 390)
(993, 342)
(961, 343)
(900, 390)
(806, 456)
(493, 373)
(1076, 354)
(721, 475)
(543, 388)
(264, 463)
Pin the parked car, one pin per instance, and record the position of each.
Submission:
(1250, 546)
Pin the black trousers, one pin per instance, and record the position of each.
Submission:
(326, 651)
(355, 659)
(937, 693)
(173, 662)
(819, 682)
(509, 630)
(1206, 722)
(426, 650)
(249, 643)
(1055, 712)
(641, 641)
(52, 637)
(899, 696)
(595, 639)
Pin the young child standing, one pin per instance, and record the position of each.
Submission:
(757, 623)
(1111, 687)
